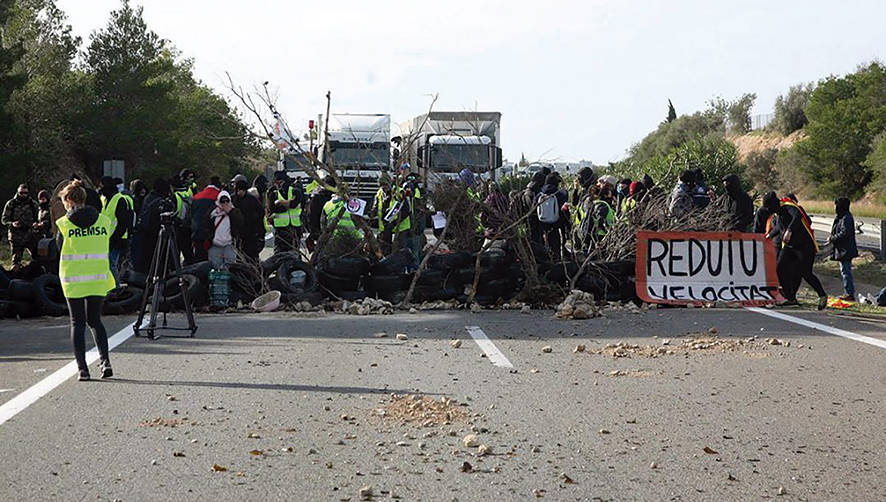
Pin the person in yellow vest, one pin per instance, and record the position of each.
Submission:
(85, 273)
(380, 205)
(285, 213)
(335, 208)
(118, 210)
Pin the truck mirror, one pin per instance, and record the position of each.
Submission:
(497, 153)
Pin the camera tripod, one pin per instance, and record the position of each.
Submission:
(165, 251)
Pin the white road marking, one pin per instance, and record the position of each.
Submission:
(30, 396)
(488, 348)
(821, 327)
(6, 390)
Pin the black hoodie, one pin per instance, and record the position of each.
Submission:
(738, 203)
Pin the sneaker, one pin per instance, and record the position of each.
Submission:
(106, 370)
(84, 375)
(822, 302)
(848, 298)
(789, 303)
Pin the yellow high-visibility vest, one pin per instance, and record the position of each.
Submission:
(84, 269)
(290, 217)
(345, 223)
(109, 209)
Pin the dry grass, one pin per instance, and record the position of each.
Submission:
(862, 208)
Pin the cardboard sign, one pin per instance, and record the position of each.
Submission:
(356, 206)
(706, 267)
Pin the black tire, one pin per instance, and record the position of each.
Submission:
(495, 258)
(431, 277)
(386, 284)
(348, 266)
(336, 284)
(123, 300)
(271, 265)
(21, 290)
(133, 278)
(49, 295)
(562, 272)
(394, 264)
(284, 273)
(200, 270)
(500, 288)
(16, 308)
(431, 294)
(173, 297)
(449, 261)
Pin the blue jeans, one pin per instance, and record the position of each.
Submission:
(114, 262)
(846, 272)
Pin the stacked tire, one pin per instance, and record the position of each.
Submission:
(342, 277)
(389, 279)
(293, 278)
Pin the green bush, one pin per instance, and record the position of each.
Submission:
(845, 114)
(876, 163)
(789, 114)
(760, 169)
(791, 166)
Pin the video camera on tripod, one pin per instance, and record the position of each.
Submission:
(166, 253)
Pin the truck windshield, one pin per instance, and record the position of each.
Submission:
(365, 156)
(448, 158)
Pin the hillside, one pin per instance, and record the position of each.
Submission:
(760, 141)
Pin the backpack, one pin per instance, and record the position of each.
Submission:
(548, 211)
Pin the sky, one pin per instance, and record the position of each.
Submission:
(574, 80)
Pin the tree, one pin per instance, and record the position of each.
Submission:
(876, 163)
(44, 107)
(11, 79)
(150, 111)
(672, 113)
(845, 114)
(789, 114)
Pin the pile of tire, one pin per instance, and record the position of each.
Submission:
(343, 277)
(500, 276)
(173, 300)
(293, 278)
(607, 281)
(43, 296)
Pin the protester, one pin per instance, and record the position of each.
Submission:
(603, 214)
(225, 224)
(380, 205)
(681, 201)
(116, 209)
(529, 199)
(798, 255)
(85, 273)
(738, 204)
(183, 192)
(43, 227)
(202, 204)
(622, 193)
(766, 221)
(19, 217)
(495, 209)
(701, 194)
(252, 238)
(636, 192)
(319, 197)
(845, 247)
(285, 212)
(337, 216)
(158, 201)
(552, 219)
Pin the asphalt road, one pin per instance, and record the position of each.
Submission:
(288, 405)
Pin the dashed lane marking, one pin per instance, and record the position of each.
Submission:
(821, 327)
(30, 396)
(492, 353)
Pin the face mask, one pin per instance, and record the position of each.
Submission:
(121, 187)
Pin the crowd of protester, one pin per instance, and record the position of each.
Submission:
(224, 222)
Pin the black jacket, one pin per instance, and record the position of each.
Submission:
(738, 203)
(124, 219)
(253, 215)
(843, 233)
